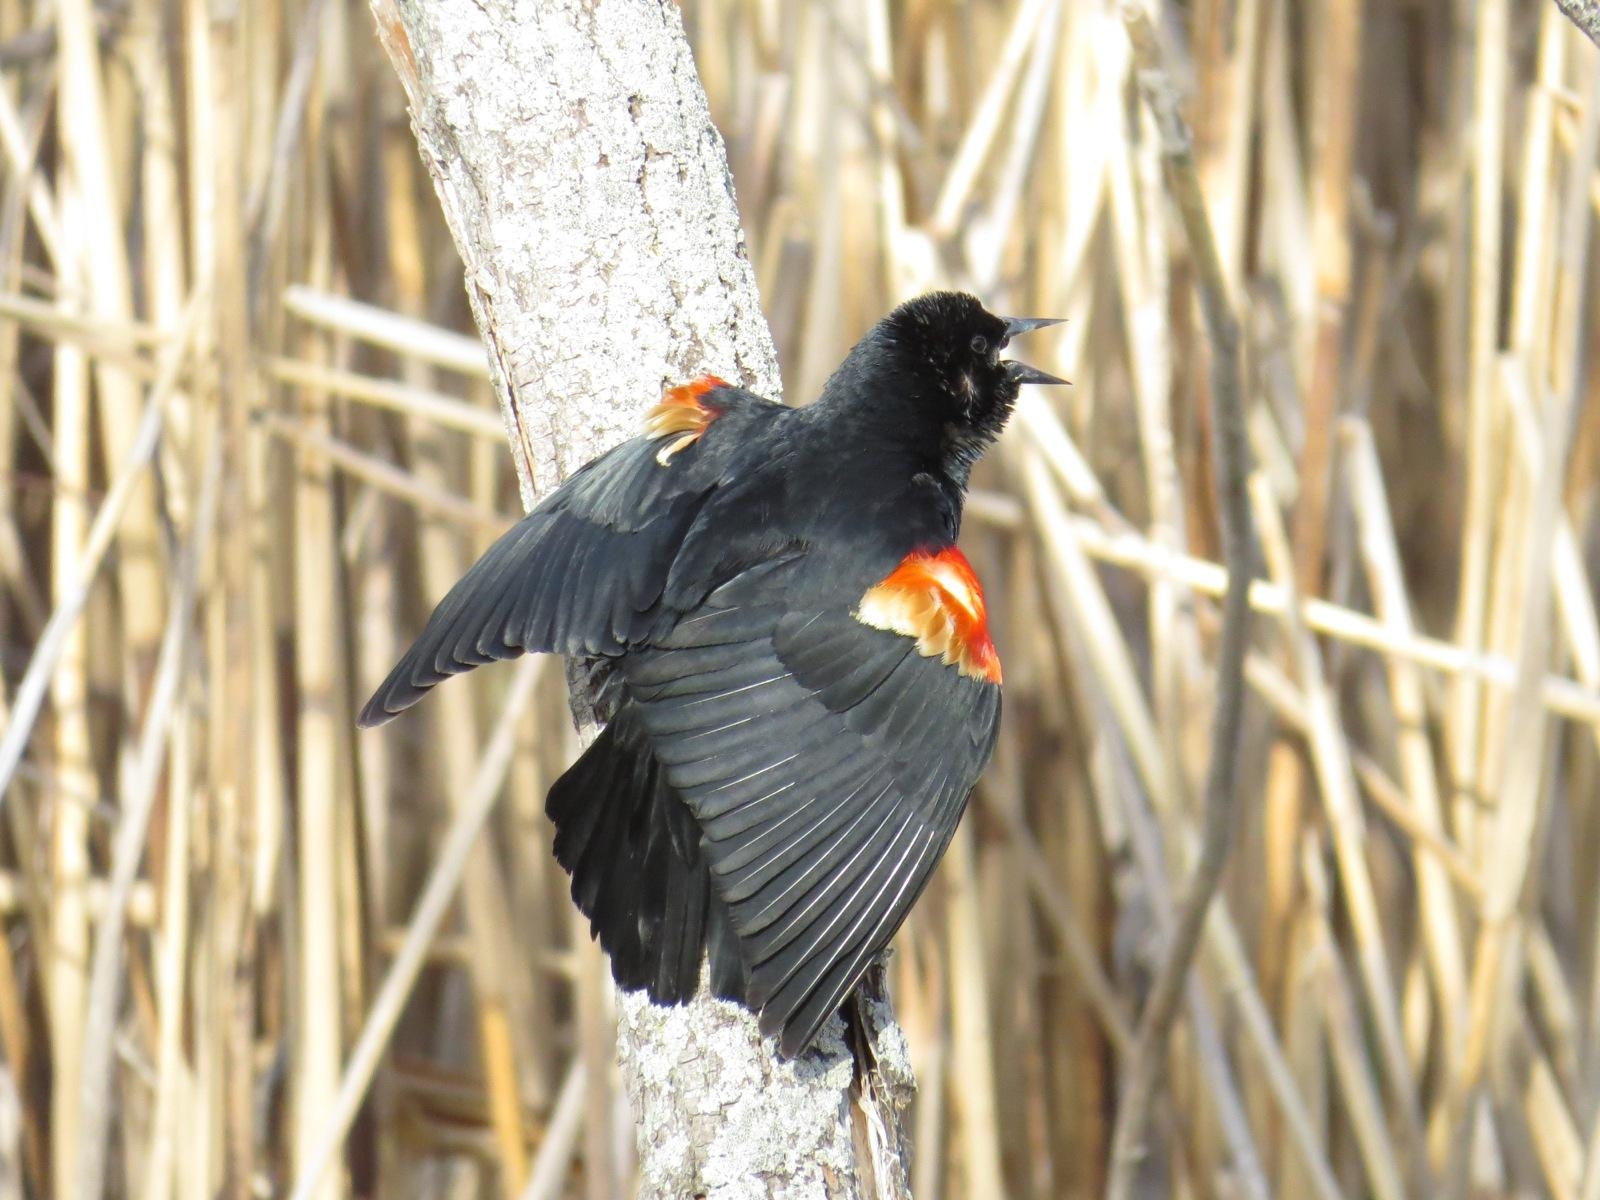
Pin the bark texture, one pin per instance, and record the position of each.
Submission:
(1585, 14)
(589, 194)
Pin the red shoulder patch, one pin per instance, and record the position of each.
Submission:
(936, 599)
(684, 413)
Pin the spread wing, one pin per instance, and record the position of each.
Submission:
(583, 573)
(827, 762)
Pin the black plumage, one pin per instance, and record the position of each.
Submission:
(792, 657)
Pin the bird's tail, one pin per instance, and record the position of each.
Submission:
(633, 851)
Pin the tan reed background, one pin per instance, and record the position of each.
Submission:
(213, 224)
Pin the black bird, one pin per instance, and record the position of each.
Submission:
(791, 656)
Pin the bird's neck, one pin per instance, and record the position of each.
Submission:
(887, 414)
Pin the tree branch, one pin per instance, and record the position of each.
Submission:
(1231, 455)
(589, 194)
(1585, 14)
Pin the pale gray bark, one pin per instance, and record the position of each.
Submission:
(1585, 14)
(589, 194)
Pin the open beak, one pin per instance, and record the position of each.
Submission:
(1022, 372)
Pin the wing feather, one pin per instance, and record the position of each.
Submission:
(830, 913)
(595, 568)
(583, 574)
(826, 763)
(770, 846)
(802, 896)
(809, 1008)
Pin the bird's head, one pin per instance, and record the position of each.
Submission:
(948, 348)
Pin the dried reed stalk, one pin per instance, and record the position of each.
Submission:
(1230, 458)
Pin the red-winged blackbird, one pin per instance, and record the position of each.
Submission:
(790, 653)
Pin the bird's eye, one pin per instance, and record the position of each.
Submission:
(980, 344)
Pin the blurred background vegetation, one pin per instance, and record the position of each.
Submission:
(246, 440)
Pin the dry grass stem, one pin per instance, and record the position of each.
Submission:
(1230, 464)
